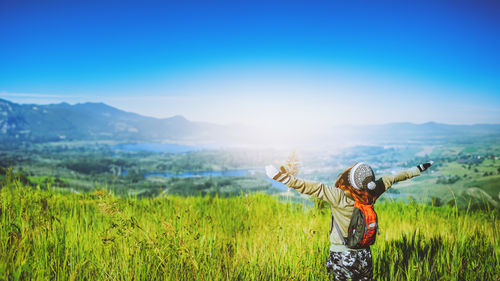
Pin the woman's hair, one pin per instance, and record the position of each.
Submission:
(367, 197)
(343, 178)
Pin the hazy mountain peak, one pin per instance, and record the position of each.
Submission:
(2, 101)
(177, 118)
(97, 105)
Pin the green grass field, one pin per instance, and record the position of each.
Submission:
(46, 235)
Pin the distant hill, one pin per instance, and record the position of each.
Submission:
(98, 121)
(429, 132)
(95, 121)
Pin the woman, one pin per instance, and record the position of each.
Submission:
(355, 184)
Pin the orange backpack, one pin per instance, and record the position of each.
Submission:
(363, 228)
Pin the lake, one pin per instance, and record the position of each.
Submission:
(160, 147)
(228, 173)
(178, 148)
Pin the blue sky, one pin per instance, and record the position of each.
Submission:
(310, 62)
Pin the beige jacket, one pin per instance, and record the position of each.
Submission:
(341, 205)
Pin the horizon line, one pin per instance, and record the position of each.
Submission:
(248, 125)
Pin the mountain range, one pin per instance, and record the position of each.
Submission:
(98, 121)
(95, 121)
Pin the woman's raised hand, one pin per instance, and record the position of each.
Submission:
(280, 175)
(424, 166)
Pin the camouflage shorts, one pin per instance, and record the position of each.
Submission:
(350, 265)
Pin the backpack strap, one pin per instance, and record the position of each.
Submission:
(338, 230)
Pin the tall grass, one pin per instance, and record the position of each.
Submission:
(45, 235)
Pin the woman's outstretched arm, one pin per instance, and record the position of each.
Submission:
(385, 182)
(317, 189)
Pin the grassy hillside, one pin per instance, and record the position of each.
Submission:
(97, 236)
